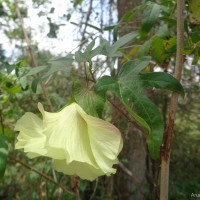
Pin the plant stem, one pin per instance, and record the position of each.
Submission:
(1, 122)
(12, 158)
(165, 154)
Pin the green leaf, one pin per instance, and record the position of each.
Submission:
(91, 102)
(35, 83)
(106, 83)
(132, 68)
(196, 56)
(194, 16)
(161, 80)
(122, 41)
(131, 88)
(3, 155)
(144, 49)
(89, 52)
(56, 64)
(77, 2)
(158, 50)
(163, 31)
(148, 111)
(151, 14)
(36, 70)
(63, 64)
(14, 89)
(80, 57)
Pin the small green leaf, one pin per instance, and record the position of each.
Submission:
(3, 155)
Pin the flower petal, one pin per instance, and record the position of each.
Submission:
(67, 132)
(106, 142)
(31, 136)
(82, 169)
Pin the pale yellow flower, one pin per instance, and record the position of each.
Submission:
(79, 143)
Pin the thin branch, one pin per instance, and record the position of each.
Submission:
(12, 158)
(129, 173)
(125, 114)
(165, 154)
(86, 21)
(33, 60)
(1, 122)
(95, 189)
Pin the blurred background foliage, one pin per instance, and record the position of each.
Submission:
(156, 24)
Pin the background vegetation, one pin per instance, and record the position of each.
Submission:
(31, 57)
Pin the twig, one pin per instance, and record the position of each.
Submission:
(165, 154)
(95, 189)
(128, 172)
(1, 122)
(33, 60)
(129, 118)
(11, 158)
(86, 21)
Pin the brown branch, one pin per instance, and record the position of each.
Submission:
(86, 21)
(129, 173)
(1, 122)
(126, 115)
(165, 154)
(14, 159)
(33, 60)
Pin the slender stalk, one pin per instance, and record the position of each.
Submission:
(12, 158)
(95, 189)
(165, 154)
(1, 122)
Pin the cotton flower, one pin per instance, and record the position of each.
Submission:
(79, 143)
